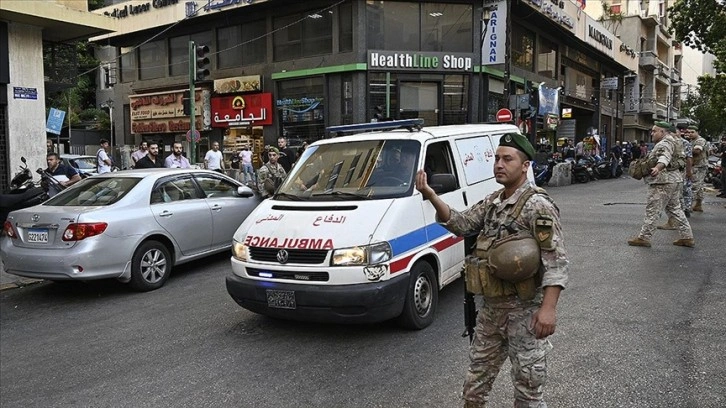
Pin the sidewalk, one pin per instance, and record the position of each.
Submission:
(8, 281)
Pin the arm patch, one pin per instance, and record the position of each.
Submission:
(543, 232)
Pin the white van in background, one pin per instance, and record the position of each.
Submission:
(348, 239)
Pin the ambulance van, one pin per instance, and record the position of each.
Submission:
(347, 238)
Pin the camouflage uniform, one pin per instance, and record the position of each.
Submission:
(687, 191)
(664, 190)
(504, 324)
(269, 177)
(700, 167)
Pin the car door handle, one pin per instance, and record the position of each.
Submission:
(216, 207)
(166, 214)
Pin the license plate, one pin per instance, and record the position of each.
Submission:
(38, 236)
(281, 299)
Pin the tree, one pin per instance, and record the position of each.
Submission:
(701, 24)
(708, 106)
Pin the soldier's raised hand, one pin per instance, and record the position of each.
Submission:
(422, 185)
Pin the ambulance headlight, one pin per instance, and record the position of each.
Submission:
(239, 251)
(362, 255)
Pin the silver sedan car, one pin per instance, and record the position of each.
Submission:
(130, 225)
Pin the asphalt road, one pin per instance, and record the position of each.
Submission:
(637, 327)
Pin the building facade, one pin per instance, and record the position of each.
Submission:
(289, 68)
(25, 28)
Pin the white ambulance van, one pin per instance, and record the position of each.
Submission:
(347, 238)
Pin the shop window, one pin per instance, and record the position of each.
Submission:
(446, 27)
(377, 94)
(345, 27)
(179, 51)
(456, 100)
(129, 68)
(547, 58)
(522, 48)
(152, 60)
(300, 107)
(346, 101)
(495, 102)
(302, 35)
(393, 25)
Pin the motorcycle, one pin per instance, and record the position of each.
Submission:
(603, 169)
(543, 172)
(713, 173)
(24, 192)
(582, 171)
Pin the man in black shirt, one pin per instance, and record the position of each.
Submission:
(287, 154)
(56, 168)
(152, 159)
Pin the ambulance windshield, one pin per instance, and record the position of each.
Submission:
(360, 170)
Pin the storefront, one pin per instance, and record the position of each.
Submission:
(160, 117)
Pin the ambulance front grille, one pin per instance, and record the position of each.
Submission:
(294, 256)
(302, 276)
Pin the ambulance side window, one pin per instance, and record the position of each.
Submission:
(439, 160)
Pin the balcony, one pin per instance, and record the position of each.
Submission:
(664, 70)
(648, 59)
(675, 77)
(647, 107)
(649, 20)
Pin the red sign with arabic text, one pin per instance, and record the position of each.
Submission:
(241, 110)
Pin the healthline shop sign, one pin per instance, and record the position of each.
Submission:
(419, 61)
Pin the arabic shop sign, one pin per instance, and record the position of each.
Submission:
(133, 9)
(164, 112)
(242, 110)
(408, 61)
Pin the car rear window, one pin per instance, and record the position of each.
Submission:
(95, 191)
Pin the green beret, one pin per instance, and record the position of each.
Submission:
(274, 149)
(665, 125)
(692, 127)
(518, 142)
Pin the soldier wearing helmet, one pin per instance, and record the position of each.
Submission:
(520, 268)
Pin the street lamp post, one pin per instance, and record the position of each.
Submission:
(486, 16)
(507, 52)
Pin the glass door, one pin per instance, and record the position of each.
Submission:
(420, 100)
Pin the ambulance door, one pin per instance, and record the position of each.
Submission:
(439, 159)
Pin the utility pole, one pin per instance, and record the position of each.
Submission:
(192, 97)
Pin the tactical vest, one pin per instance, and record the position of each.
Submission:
(479, 277)
(678, 160)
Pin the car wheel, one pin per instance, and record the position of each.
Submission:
(150, 266)
(422, 297)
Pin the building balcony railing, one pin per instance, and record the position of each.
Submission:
(648, 59)
(663, 70)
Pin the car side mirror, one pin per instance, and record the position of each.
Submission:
(244, 191)
(443, 183)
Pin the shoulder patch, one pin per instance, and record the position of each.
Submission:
(543, 231)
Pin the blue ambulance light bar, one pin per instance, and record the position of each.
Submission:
(410, 124)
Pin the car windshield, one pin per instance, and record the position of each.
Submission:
(367, 169)
(94, 191)
(84, 163)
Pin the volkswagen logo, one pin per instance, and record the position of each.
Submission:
(35, 217)
(282, 256)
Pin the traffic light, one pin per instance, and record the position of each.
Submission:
(378, 116)
(186, 104)
(201, 67)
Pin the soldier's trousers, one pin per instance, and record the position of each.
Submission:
(687, 195)
(502, 333)
(664, 197)
(699, 173)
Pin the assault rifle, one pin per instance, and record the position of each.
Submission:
(470, 311)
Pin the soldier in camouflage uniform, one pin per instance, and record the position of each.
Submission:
(517, 316)
(700, 166)
(687, 175)
(271, 174)
(666, 159)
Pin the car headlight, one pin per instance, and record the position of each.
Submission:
(362, 255)
(239, 251)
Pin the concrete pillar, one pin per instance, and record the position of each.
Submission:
(26, 117)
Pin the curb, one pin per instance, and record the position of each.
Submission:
(19, 284)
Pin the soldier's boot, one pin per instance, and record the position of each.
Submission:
(638, 241)
(669, 225)
(685, 242)
(697, 206)
(472, 404)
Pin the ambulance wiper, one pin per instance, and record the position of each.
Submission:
(343, 195)
(287, 196)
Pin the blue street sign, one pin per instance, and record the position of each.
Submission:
(55, 121)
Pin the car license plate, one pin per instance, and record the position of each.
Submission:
(281, 299)
(38, 235)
